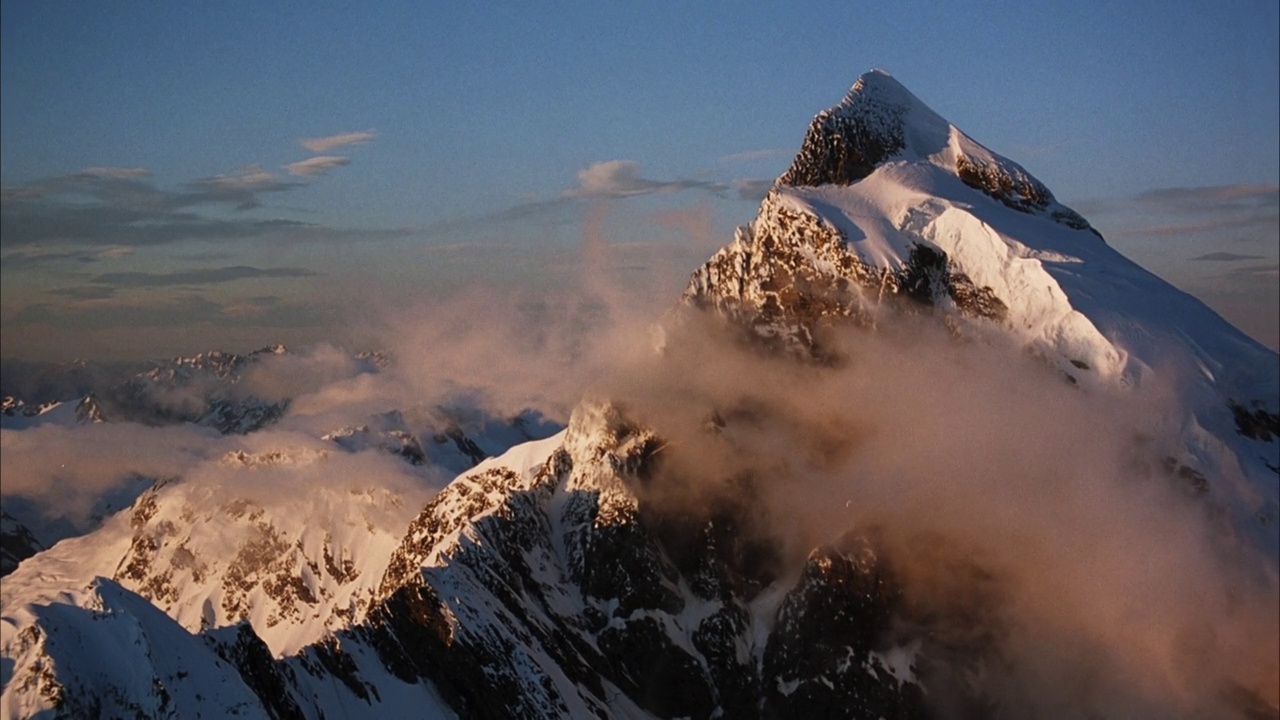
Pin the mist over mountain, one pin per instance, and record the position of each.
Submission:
(916, 443)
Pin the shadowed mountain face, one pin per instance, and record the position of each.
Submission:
(16, 543)
(720, 535)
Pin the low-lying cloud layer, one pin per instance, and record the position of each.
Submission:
(1039, 537)
(1041, 544)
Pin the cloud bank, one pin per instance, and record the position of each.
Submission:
(1035, 529)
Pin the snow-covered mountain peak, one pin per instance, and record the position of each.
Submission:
(877, 120)
(889, 209)
(880, 122)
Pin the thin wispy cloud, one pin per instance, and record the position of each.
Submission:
(1225, 257)
(318, 165)
(203, 276)
(323, 145)
(1198, 198)
(242, 189)
(750, 155)
(1214, 220)
(106, 285)
(123, 208)
(1251, 210)
(622, 178)
(250, 176)
(183, 311)
(1261, 197)
(130, 190)
(608, 180)
(84, 292)
(102, 224)
(117, 173)
(1258, 272)
(1217, 242)
(30, 258)
(753, 189)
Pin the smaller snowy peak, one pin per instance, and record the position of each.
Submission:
(16, 407)
(386, 431)
(18, 415)
(293, 559)
(88, 410)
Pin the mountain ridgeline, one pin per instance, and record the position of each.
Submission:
(904, 446)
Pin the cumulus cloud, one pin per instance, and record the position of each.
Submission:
(322, 145)
(318, 165)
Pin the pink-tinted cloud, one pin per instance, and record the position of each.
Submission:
(322, 145)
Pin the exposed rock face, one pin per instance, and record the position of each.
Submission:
(558, 588)
(792, 273)
(16, 543)
(1256, 423)
(1016, 189)
(845, 143)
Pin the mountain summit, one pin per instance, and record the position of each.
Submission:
(931, 449)
(880, 121)
(846, 142)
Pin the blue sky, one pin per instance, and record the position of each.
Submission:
(180, 177)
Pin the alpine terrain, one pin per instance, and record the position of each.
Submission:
(917, 443)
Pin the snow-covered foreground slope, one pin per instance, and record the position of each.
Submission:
(917, 443)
